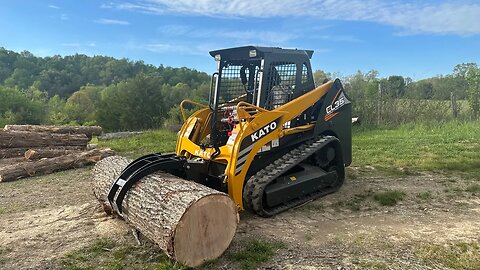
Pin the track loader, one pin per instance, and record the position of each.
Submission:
(268, 137)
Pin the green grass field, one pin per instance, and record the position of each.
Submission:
(452, 146)
(449, 147)
(157, 141)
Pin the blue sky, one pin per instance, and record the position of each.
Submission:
(410, 38)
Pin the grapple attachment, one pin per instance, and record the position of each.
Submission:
(140, 168)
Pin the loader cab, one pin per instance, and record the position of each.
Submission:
(266, 77)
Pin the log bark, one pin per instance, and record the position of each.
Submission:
(10, 161)
(12, 152)
(87, 130)
(20, 152)
(36, 154)
(18, 139)
(49, 165)
(190, 222)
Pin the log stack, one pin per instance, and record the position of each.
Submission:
(190, 222)
(27, 150)
(89, 131)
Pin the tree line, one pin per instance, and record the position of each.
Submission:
(397, 99)
(120, 94)
(117, 94)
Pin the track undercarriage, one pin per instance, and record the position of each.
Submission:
(298, 177)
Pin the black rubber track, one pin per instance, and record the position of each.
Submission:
(255, 186)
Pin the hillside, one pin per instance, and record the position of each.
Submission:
(64, 75)
(120, 94)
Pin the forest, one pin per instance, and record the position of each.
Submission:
(120, 94)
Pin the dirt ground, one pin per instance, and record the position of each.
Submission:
(43, 218)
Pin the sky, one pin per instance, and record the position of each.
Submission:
(418, 39)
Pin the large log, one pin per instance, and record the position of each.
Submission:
(36, 154)
(49, 165)
(20, 152)
(191, 223)
(87, 130)
(18, 139)
(9, 161)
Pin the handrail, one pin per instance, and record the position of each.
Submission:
(246, 104)
(191, 102)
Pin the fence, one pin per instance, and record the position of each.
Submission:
(378, 109)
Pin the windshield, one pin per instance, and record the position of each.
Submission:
(238, 81)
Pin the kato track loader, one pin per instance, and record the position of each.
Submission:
(268, 137)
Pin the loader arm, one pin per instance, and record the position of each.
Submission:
(300, 104)
(250, 139)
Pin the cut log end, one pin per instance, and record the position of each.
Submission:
(205, 230)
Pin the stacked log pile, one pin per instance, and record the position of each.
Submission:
(27, 150)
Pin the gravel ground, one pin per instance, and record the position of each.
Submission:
(43, 218)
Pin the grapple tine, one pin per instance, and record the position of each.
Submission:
(138, 169)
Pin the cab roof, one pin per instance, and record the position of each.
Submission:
(239, 53)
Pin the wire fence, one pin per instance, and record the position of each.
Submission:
(378, 109)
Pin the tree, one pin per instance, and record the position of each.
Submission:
(56, 111)
(396, 86)
(319, 76)
(20, 108)
(422, 89)
(461, 70)
(132, 105)
(80, 108)
(473, 78)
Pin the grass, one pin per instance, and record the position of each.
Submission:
(314, 206)
(254, 253)
(389, 198)
(356, 202)
(150, 142)
(425, 196)
(385, 198)
(8, 209)
(461, 255)
(473, 188)
(451, 146)
(110, 255)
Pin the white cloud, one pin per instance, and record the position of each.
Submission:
(460, 17)
(64, 17)
(110, 21)
(163, 47)
(274, 37)
(338, 38)
(175, 30)
(172, 47)
(259, 36)
(71, 44)
(77, 44)
(53, 6)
